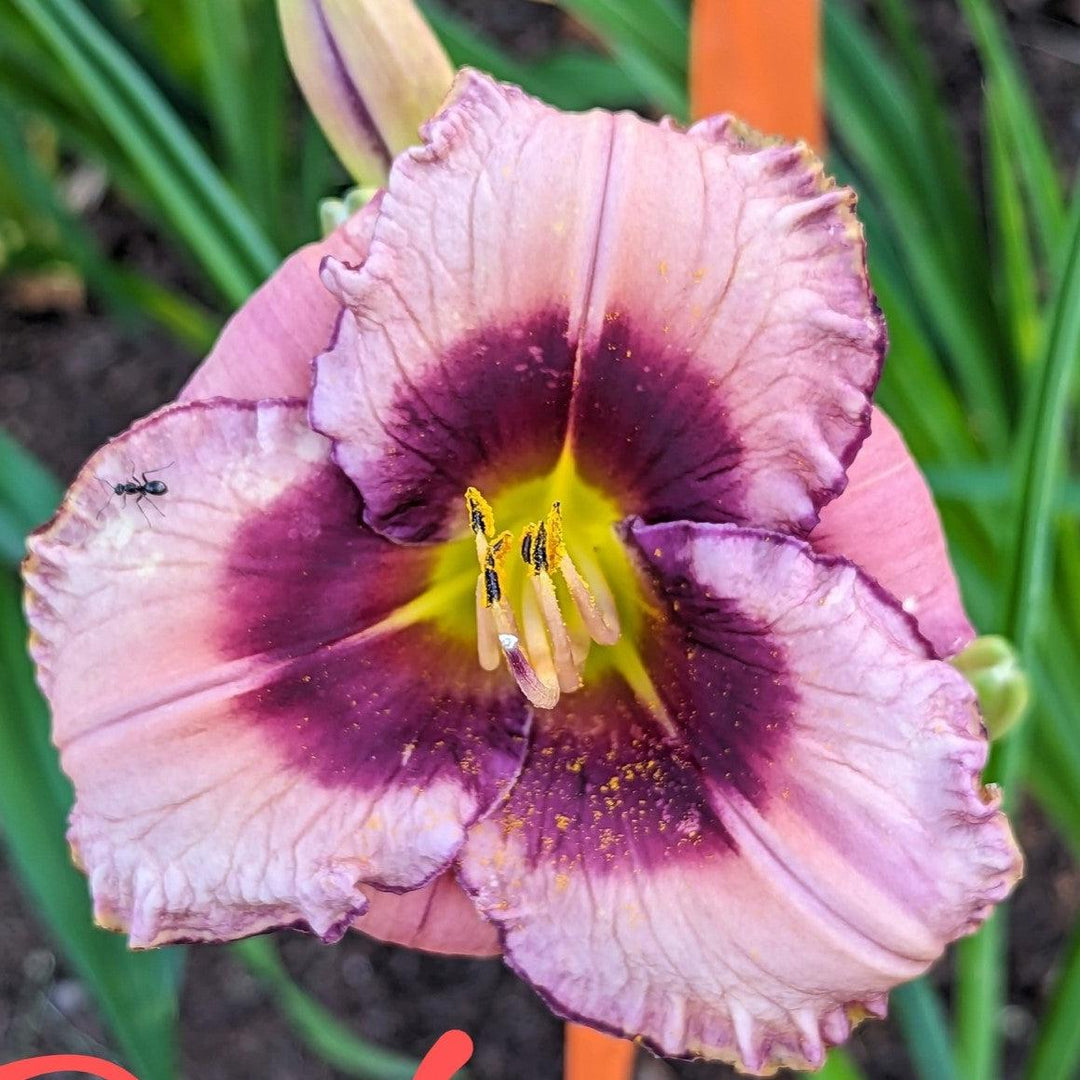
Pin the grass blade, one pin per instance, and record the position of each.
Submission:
(1056, 1054)
(875, 115)
(1034, 161)
(917, 1008)
(991, 484)
(838, 1066)
(653, 27)
(176, 171)
(1018, 283)
(28, 497)
(1055, 791)
(225, 52)
(980, 989)
(163, 125)
(1042, 443)
(128, 294)
(646, 41)
(568, 79)
(245, 75)
(935, 126)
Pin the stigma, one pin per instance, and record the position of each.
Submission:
(563, 609)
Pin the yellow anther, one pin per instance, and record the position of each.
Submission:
(499, 548)
(556, 548)
(535, 552)
(528, 544)
(481, 518)
(494, 561)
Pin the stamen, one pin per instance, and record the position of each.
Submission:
(595, 604)
(556, 557)
(481, 521)
(580, 640)
(487, 635)
(539, 562)
(531, 682)
(561, 646)
(536, 554)
(536, 639)
(492, 586)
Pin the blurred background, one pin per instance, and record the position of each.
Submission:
(156, 162)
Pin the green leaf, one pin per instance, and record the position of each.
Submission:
(914, 389)
(935, 127)
(877, 119)
(137, 993)
(918, 1010)
(323, 1033)
(1056, 1053)
(982, 958)
(163, 124)
(245, 74)
(1018, 284)
(992, 484)
(659, 27)
(28, 497)
(1055, 791)
(128, 294)
(980, 991)
(574, 79)
(225, 52)
(570, 79)
(649, 41)
(1058, 735)
(319, 172)
(838, 1066)
(1042, 183)
(1041, 451)
(196, 201)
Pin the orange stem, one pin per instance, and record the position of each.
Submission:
(759, 59)
(592, 1055)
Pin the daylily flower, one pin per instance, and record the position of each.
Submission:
(575, 611)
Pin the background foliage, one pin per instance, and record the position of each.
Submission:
(186, 112)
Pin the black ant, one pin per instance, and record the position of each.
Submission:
(140, 489)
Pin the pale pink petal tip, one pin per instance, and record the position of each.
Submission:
(341, 280)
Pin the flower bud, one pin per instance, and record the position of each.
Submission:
(991, 666)
(333, 213)
(372, 72)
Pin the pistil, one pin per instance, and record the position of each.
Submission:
(548, 660)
